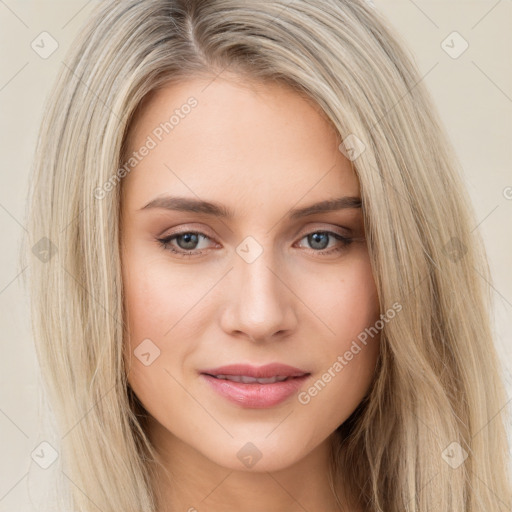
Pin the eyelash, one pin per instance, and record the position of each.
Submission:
(165, 243)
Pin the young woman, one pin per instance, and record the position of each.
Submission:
(261, 287)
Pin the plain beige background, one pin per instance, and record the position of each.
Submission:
(473, 92)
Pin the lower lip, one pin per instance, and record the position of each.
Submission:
(255, 396)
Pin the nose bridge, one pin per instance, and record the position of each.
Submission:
(258, 282)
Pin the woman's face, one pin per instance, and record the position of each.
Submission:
(226, 262)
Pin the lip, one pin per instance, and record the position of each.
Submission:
(256, 395)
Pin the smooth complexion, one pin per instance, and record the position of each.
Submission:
(260, 151)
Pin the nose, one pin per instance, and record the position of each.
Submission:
(260, 305)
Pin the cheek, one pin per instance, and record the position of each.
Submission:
(347, 302)
(165, 315)
(146, 301)
(350, 307)
(154, 303)
(157, 295)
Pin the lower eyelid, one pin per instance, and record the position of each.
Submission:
(343, 243)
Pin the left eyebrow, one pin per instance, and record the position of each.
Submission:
(186, 204)
(329, 205)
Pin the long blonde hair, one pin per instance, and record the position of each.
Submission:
(438, 390)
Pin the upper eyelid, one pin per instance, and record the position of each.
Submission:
(308, 230)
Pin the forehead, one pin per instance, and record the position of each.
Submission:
(234, 138)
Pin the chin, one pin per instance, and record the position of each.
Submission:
(259, 453)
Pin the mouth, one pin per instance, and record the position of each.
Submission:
(256, 387)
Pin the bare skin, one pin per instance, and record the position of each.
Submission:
(261, 151)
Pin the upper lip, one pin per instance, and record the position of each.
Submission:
(266, 371)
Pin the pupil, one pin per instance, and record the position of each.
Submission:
(190, 238)
(316, 238)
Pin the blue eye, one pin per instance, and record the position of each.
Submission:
(319, 240)
(186, 243)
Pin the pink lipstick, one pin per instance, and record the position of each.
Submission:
(255, 387)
